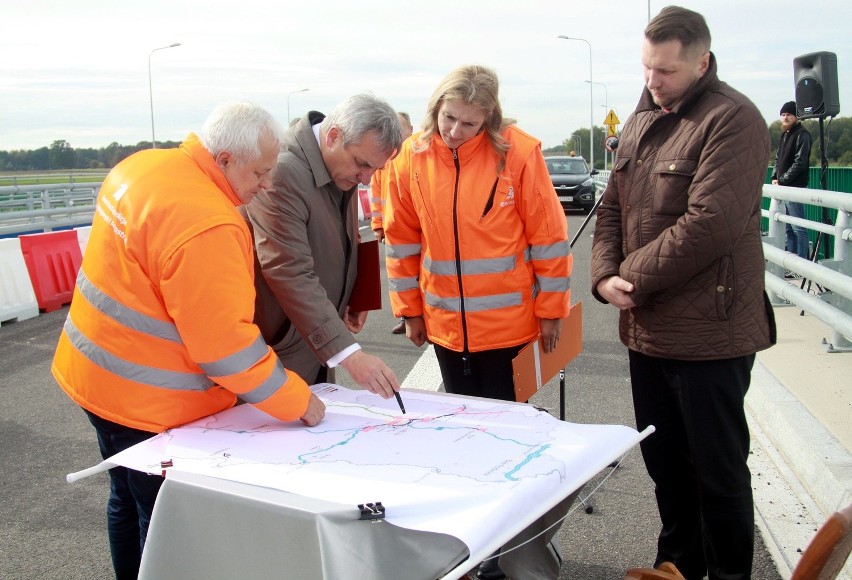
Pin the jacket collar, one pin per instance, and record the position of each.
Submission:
(469, 149)
(192, 147)
(795, 127)
(709, 82)
(303, 135)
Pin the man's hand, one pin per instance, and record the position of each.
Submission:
(380, 234)
(616, 290)
(550, 329)
(354, 321)
(415, 330)
(371, 373)
(315, 412)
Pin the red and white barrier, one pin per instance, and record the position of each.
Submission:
(52, 260)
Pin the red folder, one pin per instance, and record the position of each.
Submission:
(367, 292)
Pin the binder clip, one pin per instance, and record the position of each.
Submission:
(372, 511)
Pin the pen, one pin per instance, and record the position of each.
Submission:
(399, 400)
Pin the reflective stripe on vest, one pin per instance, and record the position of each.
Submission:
(132, 371)
(547, 284)
(475, 304)
(556, 250)
(471, 267)
(401, 251)
(402, 284)
(242, 361)
(232, 364)
(124, 315)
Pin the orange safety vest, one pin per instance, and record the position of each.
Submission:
(160, 329)
(481, 257)
(377, 192)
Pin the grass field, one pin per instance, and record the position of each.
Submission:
(21, 178)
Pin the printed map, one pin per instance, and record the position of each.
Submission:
(443, 466)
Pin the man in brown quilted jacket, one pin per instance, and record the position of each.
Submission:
(677, 249)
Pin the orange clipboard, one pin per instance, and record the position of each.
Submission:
(367, 291)
(534, 368)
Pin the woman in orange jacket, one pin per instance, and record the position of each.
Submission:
(477, 254)
(477, 243)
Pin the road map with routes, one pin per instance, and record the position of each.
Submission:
(443, 466)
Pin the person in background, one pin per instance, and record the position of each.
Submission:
(677, 249)
(792, 169)
(306, 240)
(377, 194)
(477, 254)
(159, 332)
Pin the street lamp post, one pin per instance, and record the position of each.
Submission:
(151, 91)
(606, 106)
(288, 102)
(591, 102)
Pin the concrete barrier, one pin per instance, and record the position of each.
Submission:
(17, 298)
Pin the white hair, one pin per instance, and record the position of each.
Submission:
(238, 128)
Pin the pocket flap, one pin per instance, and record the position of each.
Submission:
(677, 166)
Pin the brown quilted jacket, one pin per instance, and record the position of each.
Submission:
(680, 219)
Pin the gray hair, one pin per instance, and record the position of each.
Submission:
(361, 114)
(238, 128)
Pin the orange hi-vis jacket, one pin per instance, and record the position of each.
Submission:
(481, 257)
(378, 190)
(160, 328)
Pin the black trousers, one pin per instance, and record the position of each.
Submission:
(480, 374)
(132, 495)
(697, 459)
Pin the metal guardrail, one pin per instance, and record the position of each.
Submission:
(44, 208)
(48, 207)
(824, 288)
(831, 300)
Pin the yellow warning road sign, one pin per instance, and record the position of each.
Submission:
(611, 119)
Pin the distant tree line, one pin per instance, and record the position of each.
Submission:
(838, 142)
(61, 155)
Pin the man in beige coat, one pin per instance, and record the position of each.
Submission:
(306, 237)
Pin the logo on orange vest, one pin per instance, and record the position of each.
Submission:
(510, 198)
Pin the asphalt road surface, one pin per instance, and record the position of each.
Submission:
(50, 529)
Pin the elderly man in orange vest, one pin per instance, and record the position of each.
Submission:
(160, 329)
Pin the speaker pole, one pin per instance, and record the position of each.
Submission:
(823, 184)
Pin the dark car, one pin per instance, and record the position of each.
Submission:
(572, 181)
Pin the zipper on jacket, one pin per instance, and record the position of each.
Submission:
(490, 202)
(465, 356)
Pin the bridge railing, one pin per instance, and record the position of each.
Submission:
(44, 208)
(825, 290)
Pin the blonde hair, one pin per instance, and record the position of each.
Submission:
(474, 85)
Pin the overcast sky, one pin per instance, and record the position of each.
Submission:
(78, 71)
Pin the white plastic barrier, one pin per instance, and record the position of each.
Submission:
(17, 297)
(83, 237)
